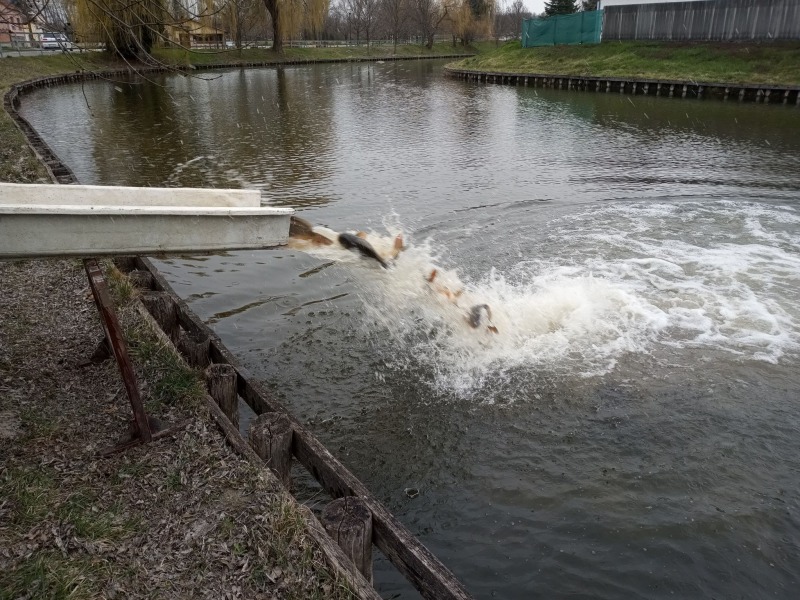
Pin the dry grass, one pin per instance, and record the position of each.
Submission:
(182, 517)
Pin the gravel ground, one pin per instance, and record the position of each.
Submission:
(181, 517)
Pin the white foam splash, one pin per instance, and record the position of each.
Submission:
(614, 280)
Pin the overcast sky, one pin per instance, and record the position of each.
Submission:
(535, 6)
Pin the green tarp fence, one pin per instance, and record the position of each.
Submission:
(579, 28)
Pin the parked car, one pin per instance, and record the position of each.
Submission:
(57, 41)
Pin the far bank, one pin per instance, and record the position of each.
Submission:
(736, 63)
(19, 164)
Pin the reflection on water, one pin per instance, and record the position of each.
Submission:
(634, 430)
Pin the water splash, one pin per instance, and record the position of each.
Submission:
(630, 279)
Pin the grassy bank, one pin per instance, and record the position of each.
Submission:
(774, 63)
(211, 57)
(18, 164)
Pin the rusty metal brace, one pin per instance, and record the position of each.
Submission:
(143, 428)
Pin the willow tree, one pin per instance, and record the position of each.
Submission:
(129, 28)
(315, 13)
(472, 18)
(274, 8)
(290, 17)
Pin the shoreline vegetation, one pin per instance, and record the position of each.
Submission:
(185, 517)
(708, 62)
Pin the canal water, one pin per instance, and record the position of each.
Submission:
(631, 431)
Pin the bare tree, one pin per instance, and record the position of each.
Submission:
(395, 13)
(237, 14)
(519, 13)
(369, 16)
(362, 15)
(429, 15)
(335, 26)
(354, 9)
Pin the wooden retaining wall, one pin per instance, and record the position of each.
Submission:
(764, 93)
(414, 561)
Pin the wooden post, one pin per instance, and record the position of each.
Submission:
(194, 347)
(221, 382)
(349, 522)
(271, 438)
(164, 311)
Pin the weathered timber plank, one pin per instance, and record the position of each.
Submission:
(231, 432)
(340, 563)
(271, 437)
(431, 578)
(349, 522)
(221, 383)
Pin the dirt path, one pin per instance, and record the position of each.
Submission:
(183, 517)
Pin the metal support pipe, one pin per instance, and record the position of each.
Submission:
(116, 341)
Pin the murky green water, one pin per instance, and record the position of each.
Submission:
(633, 430)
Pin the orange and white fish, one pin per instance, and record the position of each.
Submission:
(303, 234)
(302, 230)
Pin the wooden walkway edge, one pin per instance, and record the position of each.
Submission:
(412, 559)
(339, 562)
